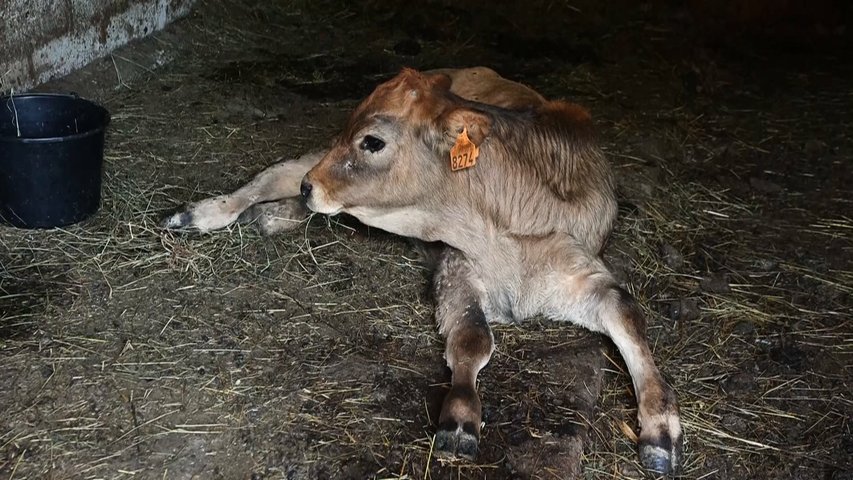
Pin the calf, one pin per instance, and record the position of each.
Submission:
(271, 200)
(523, 201)
(524, 214)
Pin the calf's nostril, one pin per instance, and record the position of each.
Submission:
(305, 189)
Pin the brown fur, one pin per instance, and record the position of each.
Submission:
(484, 85)
(548, 144)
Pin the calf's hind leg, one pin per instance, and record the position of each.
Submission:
(657, 407)
(580, 289)
(274, 217)
(469, 347)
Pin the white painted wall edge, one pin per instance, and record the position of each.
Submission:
(77, 48)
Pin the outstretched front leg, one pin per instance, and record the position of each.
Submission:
(580, 289)
(278, 182)
(469, 347)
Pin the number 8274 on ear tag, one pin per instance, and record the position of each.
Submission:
(464, 153)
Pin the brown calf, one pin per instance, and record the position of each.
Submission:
(523, 227)
(271, 200)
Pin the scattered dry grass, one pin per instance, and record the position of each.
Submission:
(128, 350)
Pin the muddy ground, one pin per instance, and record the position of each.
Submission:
(132, 352)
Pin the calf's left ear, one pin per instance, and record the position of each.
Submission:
(478, 124)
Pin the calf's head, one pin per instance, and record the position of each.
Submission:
(390, 168)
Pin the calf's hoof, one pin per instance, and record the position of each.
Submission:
(458, 435)
(178, 220)
(661, 454)
(453, 442)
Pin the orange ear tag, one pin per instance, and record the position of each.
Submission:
(464, 153)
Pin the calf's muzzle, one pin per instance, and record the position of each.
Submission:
(305, 188)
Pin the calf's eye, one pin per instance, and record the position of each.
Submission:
(372, 144)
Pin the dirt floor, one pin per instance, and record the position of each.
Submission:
(133, 352)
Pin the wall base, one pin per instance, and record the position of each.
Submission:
(44, 39)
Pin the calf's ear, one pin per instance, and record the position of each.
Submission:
(478, 124)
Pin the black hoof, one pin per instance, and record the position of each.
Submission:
(454, 442)
(662, 456)
(177, 220)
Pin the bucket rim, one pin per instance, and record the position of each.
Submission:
(72, 96)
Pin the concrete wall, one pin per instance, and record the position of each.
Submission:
(44, 39)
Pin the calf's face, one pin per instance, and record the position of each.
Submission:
(357, 169)
(390, 167)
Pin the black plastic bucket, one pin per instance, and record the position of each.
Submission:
(51, 158)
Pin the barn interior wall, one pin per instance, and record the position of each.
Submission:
(45, 39)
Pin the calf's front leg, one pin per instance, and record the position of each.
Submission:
(278, 182)
(468, 349)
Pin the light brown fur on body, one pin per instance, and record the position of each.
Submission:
(525, 228)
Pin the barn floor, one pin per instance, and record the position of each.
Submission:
(132, 352)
